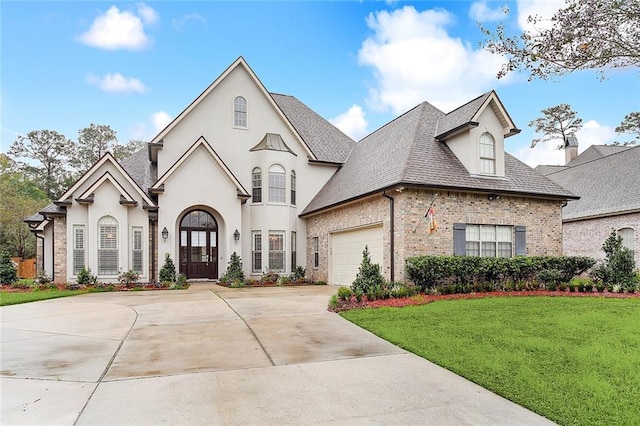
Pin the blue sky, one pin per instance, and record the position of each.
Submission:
(134, 66)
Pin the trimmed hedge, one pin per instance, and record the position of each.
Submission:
(462, 274)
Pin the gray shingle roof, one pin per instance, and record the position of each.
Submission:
(140, 168)
(596, 151)
(405, 152)
(323, 139)
(545, 169)
(461, 115)
(606, 185)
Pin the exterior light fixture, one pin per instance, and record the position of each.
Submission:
(493, 197)
(165, 233)
(236, 235)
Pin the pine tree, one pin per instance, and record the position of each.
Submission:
(168, 270)
(8, 273)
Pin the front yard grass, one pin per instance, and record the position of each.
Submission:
(574, 361)
(14, 298)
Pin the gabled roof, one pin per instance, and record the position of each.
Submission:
(242, 192)
(107, 177)
(468, 115)
(89, 173)
(595, 152)
(607, 185)
(325, 140)
(240, 62)
(405, 152)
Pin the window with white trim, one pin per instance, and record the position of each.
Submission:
(293, 188)
(315, 252)
(276, 251)
(256, 184)
(277, 184)
(256, 252)
(240, 112)
(487, 154)
(79, 245)
(136, 249)
(628, 239)
(294, 254)
(489, 240)
(108, 246)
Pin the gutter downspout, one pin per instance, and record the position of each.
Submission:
(391, 230)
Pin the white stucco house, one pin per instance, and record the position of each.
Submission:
(244, 170)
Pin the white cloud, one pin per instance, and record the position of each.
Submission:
(160, 120)
(542, 8)
(480, 11)
(117, 83)
(592, 133)
(118, 29)
(178, 24)
(352, 123)
(414, 59)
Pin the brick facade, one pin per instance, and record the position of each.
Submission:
(585, 237)
(60, 249)
(542, 219)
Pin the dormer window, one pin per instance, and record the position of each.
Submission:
(240, 112)
(487, 154)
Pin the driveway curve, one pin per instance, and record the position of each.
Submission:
(214, 355)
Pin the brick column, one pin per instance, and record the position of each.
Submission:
(60, 249)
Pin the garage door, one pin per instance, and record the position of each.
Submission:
(345, 252)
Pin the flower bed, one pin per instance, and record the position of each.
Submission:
(93, 288)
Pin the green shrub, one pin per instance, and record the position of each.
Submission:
(270, 277)
(128, 278)
(182, 279)
(550, 278)
(237, 283)
(369, 278)
(234, 269)
(8, 271)
(333, 302)
(168, 270)
(298, 274)
(618, 266)
(86, 278)
(344, 293)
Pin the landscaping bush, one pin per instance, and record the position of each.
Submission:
(299, 273)
(234, 269)
(86, 278)
(128, 278)
(618, 266)
(8, 272)
(168, 270)
(369, 279)
(344, 293)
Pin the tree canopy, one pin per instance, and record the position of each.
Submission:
(585, 34)
(556, 123)
(630, 125)
(93, 142)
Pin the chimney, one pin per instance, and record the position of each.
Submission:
(570, 148)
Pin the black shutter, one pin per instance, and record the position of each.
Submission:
(521, 240)
(460, 239)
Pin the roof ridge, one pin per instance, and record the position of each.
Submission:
(413, 141)
(397, 118)
(467, 103)
(568, 166)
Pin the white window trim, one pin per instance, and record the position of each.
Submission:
(492, 158)
(140, 250)
(282, 252)
(256, 249)
(497, 240)
(246, 114)
(315, 252)
(269, 187)
(254, 172)
(101, 223)
(83, 249)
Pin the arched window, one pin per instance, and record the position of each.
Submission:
(628, 239)
(487, 154)
(293, 188)
(107, 246)
(240, 112)
(277, 184)
(256, 184)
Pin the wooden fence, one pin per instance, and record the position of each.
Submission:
(26, 267)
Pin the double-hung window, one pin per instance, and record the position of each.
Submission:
(256, 252)
(136, 249)
(276, 251)
(487, 154)
(107, 246)
(256, 184)
(277, 184)
(294, 260)
(315, 252)
(489, 240)
(79, 245)
(293, 188)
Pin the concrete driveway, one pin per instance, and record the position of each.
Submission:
(212, 355)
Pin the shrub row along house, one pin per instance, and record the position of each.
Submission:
(607, 179)
(260, 174)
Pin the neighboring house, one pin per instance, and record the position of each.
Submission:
(257, 173)
(607, 179)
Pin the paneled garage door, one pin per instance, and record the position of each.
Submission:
(345, 252)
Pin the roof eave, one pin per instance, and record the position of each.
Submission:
(456, 130)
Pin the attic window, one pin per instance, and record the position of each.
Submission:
(487, 154)
(240, 112)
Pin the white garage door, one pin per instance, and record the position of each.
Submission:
(345, 252)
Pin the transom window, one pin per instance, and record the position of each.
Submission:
(489, 240)
(107, 246)
(276, 251)
(240, 112)
(256, 183)
(277, 184)
(487, 154)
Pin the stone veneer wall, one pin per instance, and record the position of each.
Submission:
(60, 249)
(585, 237)
(542, 219)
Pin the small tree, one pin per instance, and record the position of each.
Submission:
(557, 123)
(618, 267)
(8, 272)
(234, 269)
(168, 270)
(369, 279)
(630, 125)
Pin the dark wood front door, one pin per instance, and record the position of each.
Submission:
(199, 245)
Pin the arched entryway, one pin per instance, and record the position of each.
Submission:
(199, 245)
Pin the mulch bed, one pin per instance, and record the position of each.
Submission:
(6, 288)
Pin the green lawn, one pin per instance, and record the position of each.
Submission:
(9, 298)
(572, 360)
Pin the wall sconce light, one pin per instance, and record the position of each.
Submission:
(165, 233)
(236, 235)
(493, 197)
